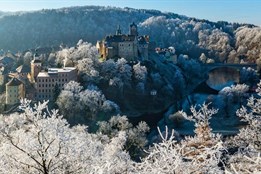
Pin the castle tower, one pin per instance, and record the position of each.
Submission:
(36, 65)
(15, 90)
(134, 29)
(118, 31)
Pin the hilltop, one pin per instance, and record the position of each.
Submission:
(220, 41)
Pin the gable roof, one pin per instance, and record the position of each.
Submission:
(133, 24)
(6, 60)
(14, 82)
(36, 61)
(23, 69)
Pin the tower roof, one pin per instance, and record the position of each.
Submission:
(23, 69)
(36, 61)
(133, 24)
(36, 54)
(118, 31)
(14, 82)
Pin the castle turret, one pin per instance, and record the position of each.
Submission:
(134, 29)
(118, 31)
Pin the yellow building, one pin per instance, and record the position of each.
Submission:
(15, 90)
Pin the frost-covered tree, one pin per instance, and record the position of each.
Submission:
(76, 103)
(235, 92)
(164, 157)
(203, 130)
(248, 140)
(232, 57)
(234, 96)
(136, 137)
(140, 72)
(204, 150)
(191, 69)
(140, 75)
(248, 76)
(169, 156)
(88, 70)
(28, 56)
(247, 42)
(251, 135)
(108, 69)
(124, 71)
(52, 60)
(69, 98)
(245, 161)
(203, 58)
(71, 56)
(41, 141)
(217, 42)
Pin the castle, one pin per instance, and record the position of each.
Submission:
(132, 47)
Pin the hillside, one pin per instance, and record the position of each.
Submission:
(221, 41)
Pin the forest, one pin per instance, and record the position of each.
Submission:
(219, 41)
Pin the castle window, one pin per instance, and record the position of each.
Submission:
(39, 85)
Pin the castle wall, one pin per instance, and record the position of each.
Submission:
(144, 51)
(127, 50)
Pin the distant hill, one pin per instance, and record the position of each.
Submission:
(221, 41)
(2, 13)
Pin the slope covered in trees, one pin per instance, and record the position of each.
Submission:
(41, 141)
(220, 41)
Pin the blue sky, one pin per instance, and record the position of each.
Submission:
(242, 11)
